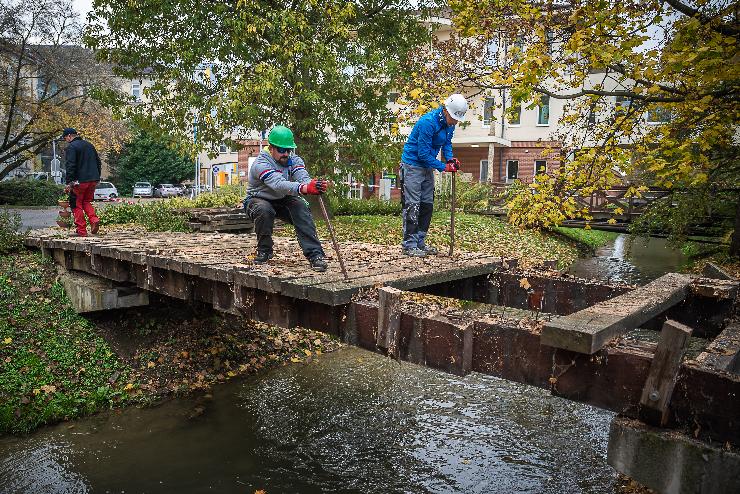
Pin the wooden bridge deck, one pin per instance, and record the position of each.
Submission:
(155, 258)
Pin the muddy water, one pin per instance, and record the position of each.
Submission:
(634, 262)
(350, 422)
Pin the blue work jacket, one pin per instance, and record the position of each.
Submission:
(429, 134)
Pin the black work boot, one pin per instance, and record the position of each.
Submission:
(318, 264)
(262, 257)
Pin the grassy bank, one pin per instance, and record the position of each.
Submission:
(57, 365)
(54, 365)
(474, 233)
(590, 240)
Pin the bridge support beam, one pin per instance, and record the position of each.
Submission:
(90, 293)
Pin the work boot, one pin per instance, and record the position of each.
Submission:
(429, 250)
(318, 264)
(262, 257)
(414, 252)
(94, 227)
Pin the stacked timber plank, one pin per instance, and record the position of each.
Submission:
(155, 260)
(210, 220)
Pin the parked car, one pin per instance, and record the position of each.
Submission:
(105, 190)
(143, 189)
(181, 189)
(166, 190)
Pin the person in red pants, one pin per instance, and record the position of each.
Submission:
(83, 174)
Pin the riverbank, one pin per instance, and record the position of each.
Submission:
(58, 365)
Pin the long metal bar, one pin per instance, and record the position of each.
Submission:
(333, 237)
(452, 213)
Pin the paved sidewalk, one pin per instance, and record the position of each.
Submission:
(35, 218)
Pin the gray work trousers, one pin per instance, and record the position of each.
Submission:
(418, 204)
(292, 209)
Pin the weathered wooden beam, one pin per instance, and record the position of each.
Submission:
(723, 353)
(711, 270)
(389, 319)
(588, 330)
(712, 288)
(658, 389)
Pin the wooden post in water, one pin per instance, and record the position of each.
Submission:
(656, 394)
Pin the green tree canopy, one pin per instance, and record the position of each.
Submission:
(321, 67)
(616, 64)
(146, 158)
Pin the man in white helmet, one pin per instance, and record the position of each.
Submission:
(431, 133)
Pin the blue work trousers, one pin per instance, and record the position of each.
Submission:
(418, 204)
(291, 209)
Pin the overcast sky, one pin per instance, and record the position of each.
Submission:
(82, 6)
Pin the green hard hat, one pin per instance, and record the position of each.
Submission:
(282, 137)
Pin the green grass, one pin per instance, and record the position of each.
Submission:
(53, 366)
(474, 233)
(592, 239)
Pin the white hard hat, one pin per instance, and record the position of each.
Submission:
(457, 106)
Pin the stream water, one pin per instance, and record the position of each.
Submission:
(352, 421)
(635, 262)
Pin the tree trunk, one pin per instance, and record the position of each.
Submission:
(735, 242)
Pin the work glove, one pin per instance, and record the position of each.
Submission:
(314, 187)
(452, 165)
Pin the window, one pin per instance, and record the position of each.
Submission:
(223, 148)
(488, 111)
(540, 167)
(549, 41)
(483, 171)
(658, 114)
(136, 91)
(515, 115)
(592, 116)
(543, 112)
(492, 48)
(623, 103)
(516, 48)
(46, 88)
(355, 188)
(512, 170)
(392, 97)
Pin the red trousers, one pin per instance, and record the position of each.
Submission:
(83, 205)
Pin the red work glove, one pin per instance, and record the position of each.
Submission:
(452, 165)
(314, 187)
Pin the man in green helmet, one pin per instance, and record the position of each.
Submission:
(277, 179)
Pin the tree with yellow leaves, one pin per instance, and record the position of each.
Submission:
(651, 90)
(47, 82)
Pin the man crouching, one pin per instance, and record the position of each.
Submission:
(277, 179)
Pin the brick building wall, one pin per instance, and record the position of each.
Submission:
(250, 150)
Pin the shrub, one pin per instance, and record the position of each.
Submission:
(11, 238)
(226, 196)
(154, 216)
(29, 192)
(469, 196)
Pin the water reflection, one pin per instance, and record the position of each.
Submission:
(352, 422)
(627, 261)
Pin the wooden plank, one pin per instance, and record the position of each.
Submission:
(711, 270)
(389, 319)
(714, 288)
(723, 353)
(588, 330)
(658, 389)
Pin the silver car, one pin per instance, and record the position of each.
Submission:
(143, 189)
(105, 191)
(166, 190)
